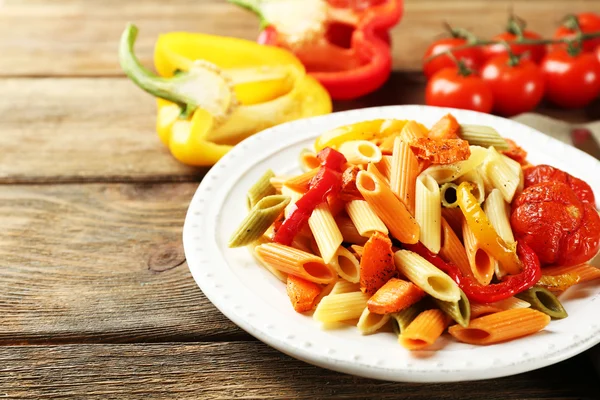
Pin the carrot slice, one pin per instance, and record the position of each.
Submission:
(377, 263)
(302, 293)
(441, 151)
(394, 296)
(445, 128)
(349, 191)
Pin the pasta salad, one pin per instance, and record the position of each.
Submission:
(394, 225)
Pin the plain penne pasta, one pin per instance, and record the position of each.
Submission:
(262, 215)
(448, 195)
(277, 181)
(501, 326)
(426, 276)
(260, 189)
(300, 182)
(482, 263)
(343, 286)
(369, 322)
(411, 131)
(360, 152)
(325, 231)
(385, 167)
(498, 213)
(346, 265)
(452, 249)
(386, 205)
(424, 330)
(357, 250)
(341, 307)
(502, 176)
(364, 218)
(349, 231)
(449, 172)
(296, 262)
(403, 173)
(428, 212)
(308, 160)
(474, 176)
(518, 170)
(484, 136)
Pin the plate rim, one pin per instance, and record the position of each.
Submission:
(355, 367)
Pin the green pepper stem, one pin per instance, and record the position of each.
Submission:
(256, 7)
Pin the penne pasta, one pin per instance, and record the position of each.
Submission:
(360, 152)
(346, 265)
(385, 167)
(386, 145)
(403, 173)
(474, 176)
(324, 292)
(501, 326)
(518, 170)
(498, 213)
(502, 176)
(341, 307)
(386, 205)
(543, 300)
(369, 322)
(325, 231)
(372, 168)
(454, 217)
(294, 197)
(482, 263)
(262, 215)
(277, 182)
(426, 276)
(357, 251)
(300, 182)
(448, 195)
(459, 311)
(449, 172)
(260, 189)
(349, 231)
(364, 218)
(428, 212)
(484, 136)
(282, 276)
(424, 330)
(402, 319)
(296, 262)
(585, 272)
(308, 160)
(452, 249)
(343, 286)
(481, 309)
(411, 131)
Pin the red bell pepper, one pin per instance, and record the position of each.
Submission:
(475, 291)
(328, 181)
(344, 44)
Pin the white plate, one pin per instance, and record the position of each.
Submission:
(257, 302)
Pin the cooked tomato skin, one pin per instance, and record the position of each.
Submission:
(551, 219)
(547, 173)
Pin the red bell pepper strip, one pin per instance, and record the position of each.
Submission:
(328, 181)
(477, 292)
(347, 48)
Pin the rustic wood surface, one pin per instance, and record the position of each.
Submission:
(96, 300)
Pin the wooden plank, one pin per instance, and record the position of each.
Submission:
(248, 370)
(79, 37)
(98, 263)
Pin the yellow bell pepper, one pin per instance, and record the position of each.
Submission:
(216, 91)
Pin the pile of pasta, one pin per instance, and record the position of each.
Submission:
(404, 186)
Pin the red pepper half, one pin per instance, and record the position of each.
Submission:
(513, 284)
(328, 181)
(344, 44)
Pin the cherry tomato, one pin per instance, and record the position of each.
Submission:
(598, 53)
(571, 81)
(452, 88)
(588, 23)
(534, 52)
(472, 57)
(516, 89)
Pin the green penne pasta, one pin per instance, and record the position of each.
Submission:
(543, 300)
(485, 136)
(261, 188)
(258, 220)
(448, 195)
(402, 319)
(460, 311)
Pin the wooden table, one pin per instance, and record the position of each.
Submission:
(96, 300)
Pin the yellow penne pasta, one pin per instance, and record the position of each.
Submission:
(385, 166)
(474, 176)
(296, 262)
(452, 249)
(501, 326)
(325, 231)
(324, 292)
(300, 182)
(502, 176)
(372, 168)
(426, 276)
(449, 172)
(428, 212)
(411, 131)
(343, 286)
(341, 307)
(403, 173)
(346, 265)
(424, 330)
(482, 264)
(364, 218)
(386, 205)
(308, 160)
(585, 272)
(349, 231)
(294, 196)
(360, 152)
(369, 322)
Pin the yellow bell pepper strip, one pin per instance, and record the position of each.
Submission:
(505, 253)
(216, 91)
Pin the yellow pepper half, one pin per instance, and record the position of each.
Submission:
(215, 91)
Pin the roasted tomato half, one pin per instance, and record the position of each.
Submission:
(546, 173)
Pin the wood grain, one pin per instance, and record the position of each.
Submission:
(98, 263)
(79, 37)
(248, 370)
